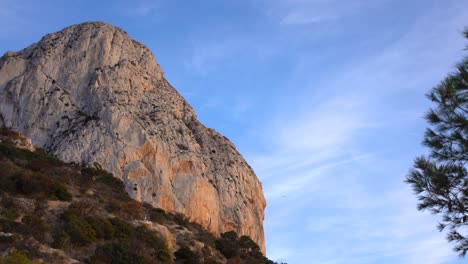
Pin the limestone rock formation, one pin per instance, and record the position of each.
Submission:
(90, 94)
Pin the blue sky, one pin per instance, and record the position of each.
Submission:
(324, 98)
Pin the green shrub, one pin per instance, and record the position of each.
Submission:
(83, 208)
(115, 253)
(43, 162)
(111, 181)
(163, 255)
(9, 226)
(9, 213)
(150, 237)
(131, 210)
(102, 176)
(157, 215)
(103, 227)
(8, 169)
(113, 186)
(17, 180)
(122, 229)
(10, 151)
(206, 237)
(246, 243)
(36, 227)
(184, 252)
(180, 219)
(228, 244)
(113, 206)
(80, 231)
(62, 240)
(150, 241)
(243, 249)
(15, 257)
(6, 240)
(41, 154)
(61, 193)
(90, 171)
(30, 183)
(185, 255)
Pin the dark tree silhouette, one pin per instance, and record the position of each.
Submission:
(440, 179)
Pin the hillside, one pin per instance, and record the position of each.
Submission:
(54, 212)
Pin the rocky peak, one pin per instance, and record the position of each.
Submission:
(90, 94)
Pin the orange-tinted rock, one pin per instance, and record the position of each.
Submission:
(91, 94)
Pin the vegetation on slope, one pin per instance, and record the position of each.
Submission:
(54, 212)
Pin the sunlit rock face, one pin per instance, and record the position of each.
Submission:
(90, 94)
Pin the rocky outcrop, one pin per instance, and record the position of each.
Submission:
(18, 139)
(90, 94)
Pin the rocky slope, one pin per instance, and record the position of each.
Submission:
(53, 212)
(90, 94)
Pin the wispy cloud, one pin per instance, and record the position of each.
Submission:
(328, 125)
(141, 8)
(322, 161)
(207, 55)
(387, 227)
(11, 16)
(297, 17)
(300, 12)
(218, 49)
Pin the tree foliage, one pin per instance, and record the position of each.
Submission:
(240, 249)
(440, 179)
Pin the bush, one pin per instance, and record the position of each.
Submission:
(228, 244)
(80, 231)
(61, 193)
(103, 177)
(11, 152)
(8, 133)
(82, 208)
(113, 206)
(9, 213)
(244, 248)
(15, 257)
(8, 207)
(62, 240)
(115, 253)
(111, 181)
(185, 255)
(29, 183)
(149, 241)
(163, 255)
(150, 237)
(132, 210)
(180, 219)
(157, 215)
(9, 226)
(122, 229)
(246, 243)
(43, 162)
(206, 237)
(26, 182)
(103, 227)
(36, 227)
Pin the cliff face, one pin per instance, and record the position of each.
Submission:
(90, 94)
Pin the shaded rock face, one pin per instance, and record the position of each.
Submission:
(91, 94)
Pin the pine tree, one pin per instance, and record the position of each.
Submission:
(440, 179)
